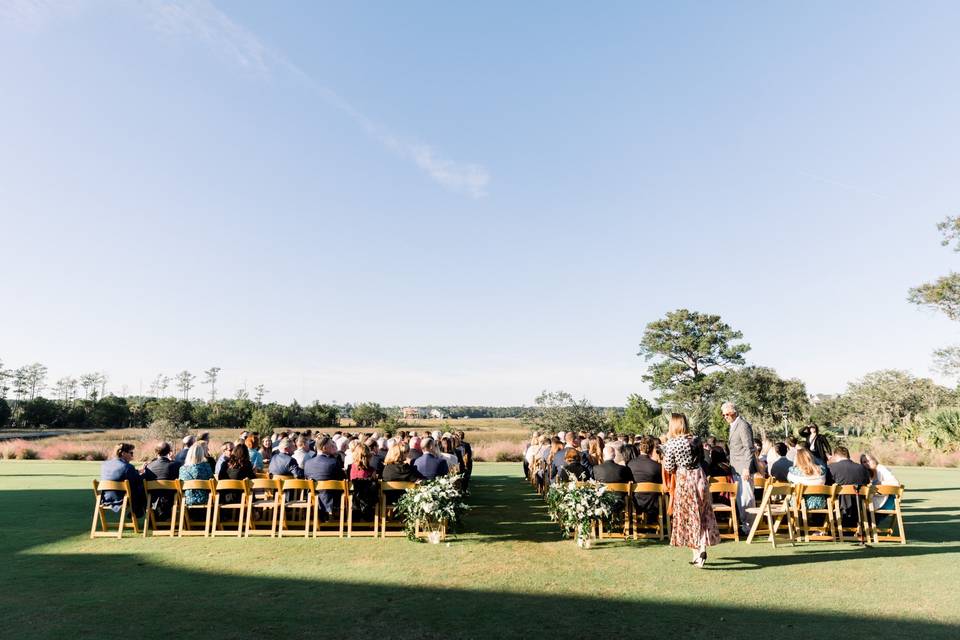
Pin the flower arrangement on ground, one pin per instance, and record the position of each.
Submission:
(431, 505)
(574, 505)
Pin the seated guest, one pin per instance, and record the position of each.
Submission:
(879, 475)
(415, 450)
(376, 454)
(846, 472)
(644, 469)
(805, 470)
(609, 471)
(118, 469)
(253, 446)
(398, 467)
(361, 468)
(303, 452)
(325, 466)
(792, 448)
(717, 463)
(363, 483)
(225, 450)
(182, 454)
(781, 466)
(237, 467)
(573, 468)
(266, 451)
(448, 453)
(196, 467)
(163, 467)
(429, 464)
(282, 463)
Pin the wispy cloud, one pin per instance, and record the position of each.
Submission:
(202, 22)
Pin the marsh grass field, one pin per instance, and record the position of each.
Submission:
(491, 438)
(509, 574)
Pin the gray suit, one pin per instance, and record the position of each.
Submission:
(741, 446)
(741, 457)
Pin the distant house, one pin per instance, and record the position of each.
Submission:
(411, 413)
(439, 415)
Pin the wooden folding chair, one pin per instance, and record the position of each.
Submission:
(375, 523)
(263, 497)
(304, 499)
(329, 528)
(100, 510)
(388, 527)
(239, 508)
(153, 526)
(624, 489)
(774, 508)
(887, 534)
(828, 512)
(640, 528)
(186, 524)
(731, 522)
(860, 532)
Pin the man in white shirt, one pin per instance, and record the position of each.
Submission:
(303, 453)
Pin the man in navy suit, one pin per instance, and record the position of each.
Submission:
(325, 466)
(429, 464)
(282, 463)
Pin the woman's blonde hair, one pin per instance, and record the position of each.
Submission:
(361, 457)
(806, 464)
(397, 453)
(678, 426)
(196, 454)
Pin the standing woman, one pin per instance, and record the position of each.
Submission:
(693, 524)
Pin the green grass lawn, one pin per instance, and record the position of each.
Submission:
(510, 575)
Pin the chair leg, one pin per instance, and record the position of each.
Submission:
(903, 533)
(123, 518)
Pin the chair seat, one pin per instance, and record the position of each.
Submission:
(263, 503)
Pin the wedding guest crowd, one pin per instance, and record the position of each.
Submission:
(363, 458)
(615, 458)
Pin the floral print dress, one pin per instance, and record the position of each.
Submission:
(693, 523)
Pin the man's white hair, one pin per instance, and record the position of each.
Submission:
(609, 452)
(728, 407)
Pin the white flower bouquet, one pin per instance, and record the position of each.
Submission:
(574, 505)
(431, 505)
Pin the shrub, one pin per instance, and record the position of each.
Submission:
(166, 430)
(72, 451)
(18, 450)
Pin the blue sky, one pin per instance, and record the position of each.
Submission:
(429, 202)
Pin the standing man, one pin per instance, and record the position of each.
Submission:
(742, 461)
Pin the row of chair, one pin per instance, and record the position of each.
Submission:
(779, 502)
(782, 501)
(274, 507)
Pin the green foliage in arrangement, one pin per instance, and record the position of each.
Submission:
(431, 504)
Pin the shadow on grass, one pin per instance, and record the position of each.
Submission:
(120, 595)
(116, 595)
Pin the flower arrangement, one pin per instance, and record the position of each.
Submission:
(574, 505)
(431, 505)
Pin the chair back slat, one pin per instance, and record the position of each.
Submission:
(111, 485)
(162, 485)
(298, 485)
(331, 485)
(206, 485)
(232, 485)
(647, 487)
